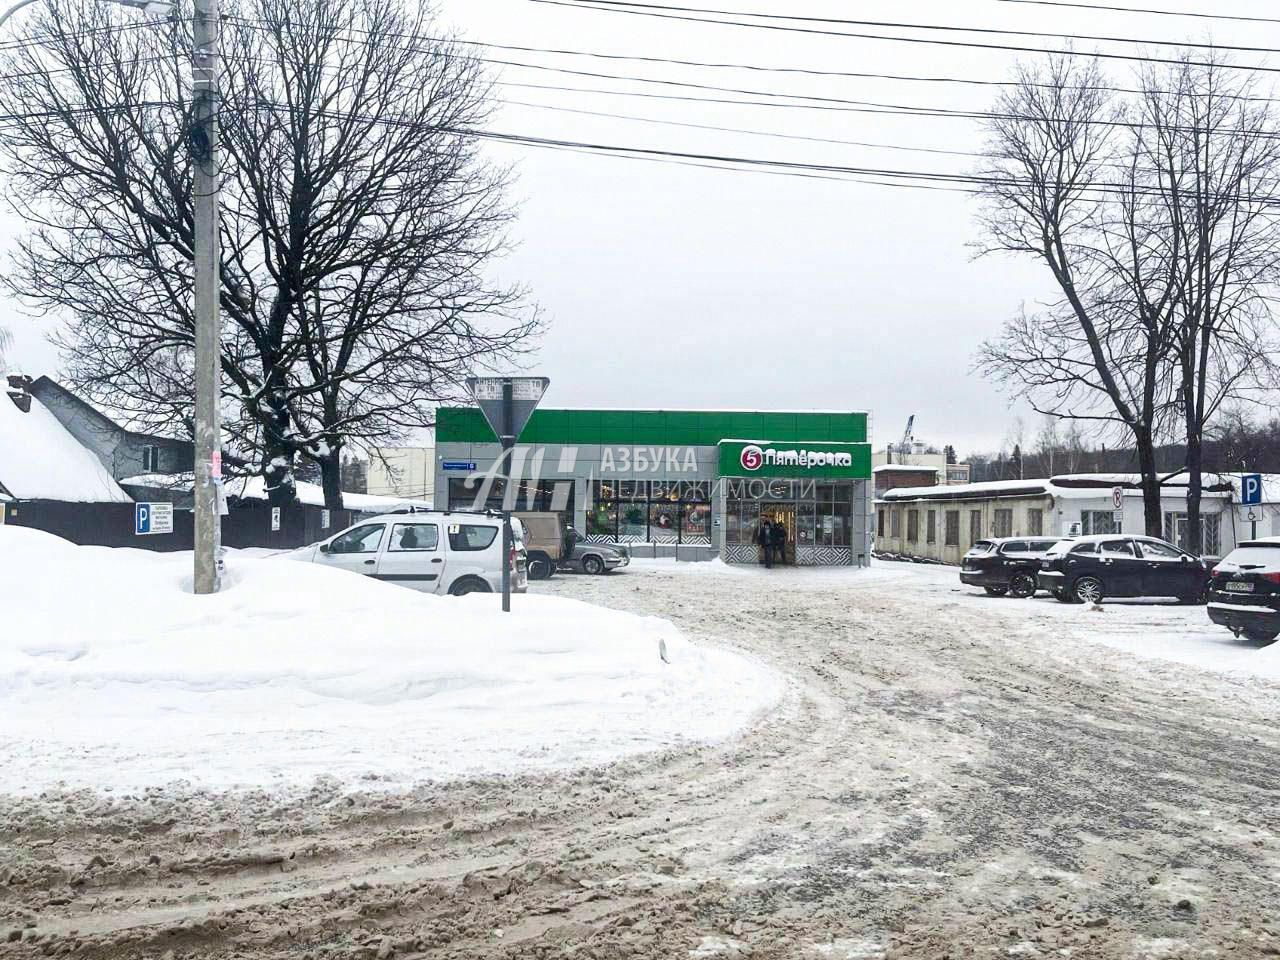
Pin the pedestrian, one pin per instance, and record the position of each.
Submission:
(778, 540)
(764, 538)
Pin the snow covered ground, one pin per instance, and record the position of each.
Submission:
(114, 675)
(1151, 629)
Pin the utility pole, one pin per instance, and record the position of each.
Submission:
(203, 140)
(507, 438)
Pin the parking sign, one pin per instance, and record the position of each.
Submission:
(1250, 488)
(151, 518)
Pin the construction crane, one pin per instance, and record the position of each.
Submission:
(905, 447)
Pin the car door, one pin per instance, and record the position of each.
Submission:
(1168, 572)
(414, 556)
(355, 549)
(1121, 568)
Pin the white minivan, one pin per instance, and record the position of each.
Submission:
(435, 552)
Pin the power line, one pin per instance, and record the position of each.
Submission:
(922, 40)
(905, 25)
(1111, 8)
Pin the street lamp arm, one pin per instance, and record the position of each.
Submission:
(14, 9)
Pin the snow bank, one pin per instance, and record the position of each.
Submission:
(112, 674)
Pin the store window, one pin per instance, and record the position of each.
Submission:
(1004, 523)
(1035, 523)
(653, 511)
(913, 526)
(664, 522)
(953, 528)
(695, 523)
(931, 531)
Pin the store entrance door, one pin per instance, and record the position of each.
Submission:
(785, 514)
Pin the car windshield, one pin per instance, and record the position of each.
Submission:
(1062, 546)
(980, 547)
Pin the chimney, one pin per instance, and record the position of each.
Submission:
(20, 392)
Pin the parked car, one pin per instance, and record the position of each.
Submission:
(593, 558)
(1089, 569)
(1244, 595)
(1005, 565)
(435, 551)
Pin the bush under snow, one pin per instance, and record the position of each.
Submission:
(113, 674)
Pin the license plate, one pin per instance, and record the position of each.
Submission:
(1239, 588)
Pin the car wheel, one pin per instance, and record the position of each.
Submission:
(1089, 590)
(540, 567)
(1063, 596)
(1260, 634)
(469, 585)
(1023, 586)
(996, 591)
(592, 565)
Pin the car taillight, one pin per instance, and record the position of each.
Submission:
(1271, 577)
(511, 557)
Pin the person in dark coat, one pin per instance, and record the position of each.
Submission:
(778, 539)
(764, 539)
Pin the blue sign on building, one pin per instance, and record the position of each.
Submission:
(1250, 488)
(467, 465)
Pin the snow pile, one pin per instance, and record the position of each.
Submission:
(113, 675)
(40, 460)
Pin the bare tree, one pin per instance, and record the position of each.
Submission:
(358, 233)
(1054, 194)
(1048, 443)
(1209, 154)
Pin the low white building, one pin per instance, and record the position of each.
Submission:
(943, 522)
(408, 472)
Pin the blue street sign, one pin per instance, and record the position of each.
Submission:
(467, 465)
(1250, 488)
(141, 518)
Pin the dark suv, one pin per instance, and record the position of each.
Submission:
(1087, 569)
(1244, 595)
(1005, 565)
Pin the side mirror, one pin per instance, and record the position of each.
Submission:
(324, 548)
(1185, 558)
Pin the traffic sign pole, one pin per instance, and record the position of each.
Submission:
(507, 404)
(508, 440)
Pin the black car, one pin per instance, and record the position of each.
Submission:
(1005, 565)
(1087, 569)
(1244, 595)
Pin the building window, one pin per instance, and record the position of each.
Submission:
(1035, 523)
(1004, 523)
(953, 528)
(1175, 531)
(880, 522)
(1098, 521)
(895, 523)
(913, 526)
(931, 526)
(975, 526)
(150, 459)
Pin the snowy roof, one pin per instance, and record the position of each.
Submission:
(40, 460)
(1067, 487)
(255, 488)
(903, 467)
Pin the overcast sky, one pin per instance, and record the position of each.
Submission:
(673, 286)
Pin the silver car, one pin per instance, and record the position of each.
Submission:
(593, 558)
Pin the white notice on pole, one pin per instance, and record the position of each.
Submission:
(1118, 516)
(324, 519)
(275, 519)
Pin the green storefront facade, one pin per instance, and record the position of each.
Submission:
(687, 483)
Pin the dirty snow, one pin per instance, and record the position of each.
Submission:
(114, 675)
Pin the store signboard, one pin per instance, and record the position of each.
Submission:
(762, 458)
